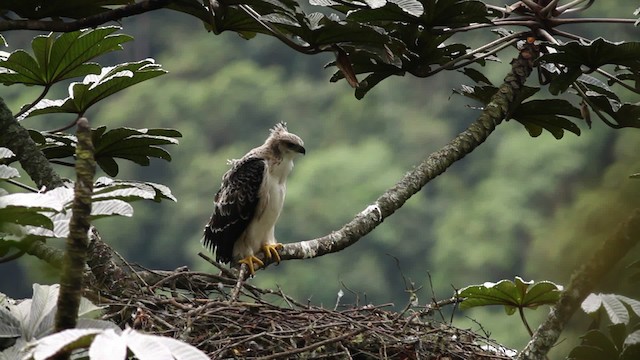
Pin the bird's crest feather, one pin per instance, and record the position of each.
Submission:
(279, 128)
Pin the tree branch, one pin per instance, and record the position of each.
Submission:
(582, 284)
(16, 138)
(430, 168)
(87, 22)
(71, 281)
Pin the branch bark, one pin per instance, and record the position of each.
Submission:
(582, 284)
(16, 138)
(87, 22)
(71, 280)
(430, 168)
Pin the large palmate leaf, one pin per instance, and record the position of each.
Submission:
(97, 87)
(32, 319)
(423, 48)
(59, 58)
(48, 215)
(137, 145)
(127, 190)
(536, 115)
(113, 344)
(512, 295)
(22, 214)
(594, 54)
(623, 340)
(548, 114)
(615, 306)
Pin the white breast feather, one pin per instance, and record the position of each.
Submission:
(261, 230)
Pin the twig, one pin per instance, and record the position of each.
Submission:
(21, 185)
(228, 273)
(286, 354)
(241, 277)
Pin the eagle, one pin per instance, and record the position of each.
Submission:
(250, 199)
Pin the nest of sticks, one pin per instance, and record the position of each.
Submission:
(229, 318)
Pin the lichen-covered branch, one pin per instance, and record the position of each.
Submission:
(434, 165)
(86, 22)
(582, 284)
(71, 281)
(16, 138)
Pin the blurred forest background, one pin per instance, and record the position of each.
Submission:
(517, 206)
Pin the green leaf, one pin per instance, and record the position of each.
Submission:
(549, 114)
(61, 58)
(36, 202)
(511, 294)
(614, 305)
(97, 87)
(137, 145)
(411, 7)
(104, 208)
(595, 345)
(624, 115)
(106, 188)
(23, 216)
(618, 334)
(595, 54)
(631, 349)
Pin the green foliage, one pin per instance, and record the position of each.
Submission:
(60, 58)
(512, 295)
(623, 342)
(94, 88)
(535, 115)
(48, 214)
(501, 197)
(615, 306)
(136, 145)
(33, 319)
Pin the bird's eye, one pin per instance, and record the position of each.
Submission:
(290, 145)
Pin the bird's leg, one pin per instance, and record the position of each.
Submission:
(270, 250)
(249, 260)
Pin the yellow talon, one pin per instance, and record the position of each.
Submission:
(249, 260)
(272, 250)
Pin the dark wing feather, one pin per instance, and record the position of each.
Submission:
(235, 205)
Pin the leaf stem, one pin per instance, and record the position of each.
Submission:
(524, 321)
(26, 108)
(451, 65)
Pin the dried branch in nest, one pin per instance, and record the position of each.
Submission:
(199, 308)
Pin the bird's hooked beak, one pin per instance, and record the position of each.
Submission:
(301, 150)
